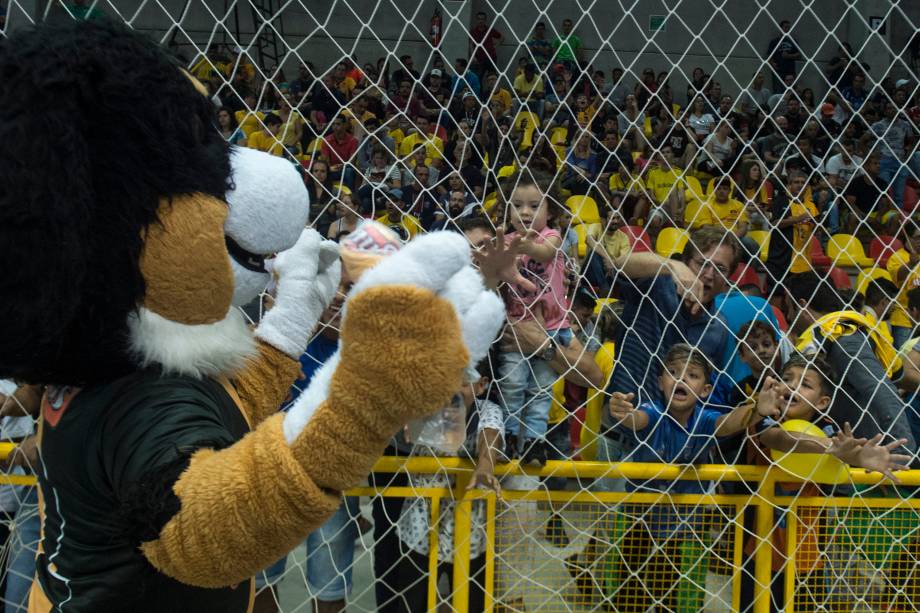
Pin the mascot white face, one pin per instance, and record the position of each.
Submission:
(269, 208)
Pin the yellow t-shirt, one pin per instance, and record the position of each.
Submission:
(633, 184)
(503, 96)
(661, 183)
(347, 86)
(249, 122)
(434, 146)
(726, 214)
(616, 244)
(409, 223)
(899, 316)
(288, 133)
(801, 236)
(357, 123)
(264, 141)
(528, 88)
(585, 117)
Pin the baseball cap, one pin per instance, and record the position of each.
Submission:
(437, 73)
(468, 94)
(901, 82)
(827, 109)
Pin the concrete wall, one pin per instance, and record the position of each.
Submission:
(725, 38)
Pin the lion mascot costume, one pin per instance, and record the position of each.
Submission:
(129, 234)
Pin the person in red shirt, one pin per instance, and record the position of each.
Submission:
(405, 101)
(484, 40)
(339, 149)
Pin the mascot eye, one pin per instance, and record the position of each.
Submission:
(246, 259)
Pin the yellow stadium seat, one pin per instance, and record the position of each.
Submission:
(584, 230)
(694, 187)
(898, 259)
(601, 303)
(647, 127)
(314, 147)
(506, 171)
(671, 241)
(675, 109)
(762, 237)
(584, 209)
(870, 274)
(846, 250)
(692, 210)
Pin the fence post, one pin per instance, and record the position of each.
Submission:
(763, 555)
(462, 515)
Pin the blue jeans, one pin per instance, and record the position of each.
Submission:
(330, 555)
(900, 334)
(23, 544)
(895, 172)
(611, 450)
(526, 388)
(832, 217)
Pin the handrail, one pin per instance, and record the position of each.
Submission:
(610, 470)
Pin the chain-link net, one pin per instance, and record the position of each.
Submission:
(697, 194)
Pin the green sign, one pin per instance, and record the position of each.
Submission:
(656, 23)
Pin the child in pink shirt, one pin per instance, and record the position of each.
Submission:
(525, 381)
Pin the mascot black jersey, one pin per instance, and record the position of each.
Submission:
(102, 446)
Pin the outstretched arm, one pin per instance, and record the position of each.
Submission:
(308, 277)
(242, 507)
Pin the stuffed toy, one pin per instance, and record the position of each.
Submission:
(167, 476)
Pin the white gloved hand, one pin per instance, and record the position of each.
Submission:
(440, 262)
(308, 277)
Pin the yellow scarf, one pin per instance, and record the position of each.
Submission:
(843, 323)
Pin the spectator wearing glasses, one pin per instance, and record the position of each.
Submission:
(671, 301)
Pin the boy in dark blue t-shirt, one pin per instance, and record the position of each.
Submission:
(662, 545)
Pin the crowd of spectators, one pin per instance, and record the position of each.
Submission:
(719, 228)
(674, 259)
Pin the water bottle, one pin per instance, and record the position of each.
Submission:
(445, 430)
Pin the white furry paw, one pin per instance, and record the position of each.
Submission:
(440, 262)
(304, 291)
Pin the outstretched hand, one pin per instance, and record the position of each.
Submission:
(869, 455)
(768, 399)
(689, 286)
(497, 262)
(623, 410)
(485, 478)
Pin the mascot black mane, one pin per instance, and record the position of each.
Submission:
(167, 476)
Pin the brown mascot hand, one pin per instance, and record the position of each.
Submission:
(412, 325)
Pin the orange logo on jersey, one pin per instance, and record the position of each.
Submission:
(55, 402)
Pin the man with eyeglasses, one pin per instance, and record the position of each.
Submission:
(665, 302)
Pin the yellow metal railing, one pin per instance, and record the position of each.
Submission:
(765, 501)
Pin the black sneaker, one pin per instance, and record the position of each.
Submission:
(511, 447)
(534, 453)
(555, 531)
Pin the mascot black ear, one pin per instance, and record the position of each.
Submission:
(98, 125)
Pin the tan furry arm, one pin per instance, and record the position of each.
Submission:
(402, 357)
(265, 382)
(242, 508)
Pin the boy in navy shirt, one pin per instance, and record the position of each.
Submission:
(661, 545)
